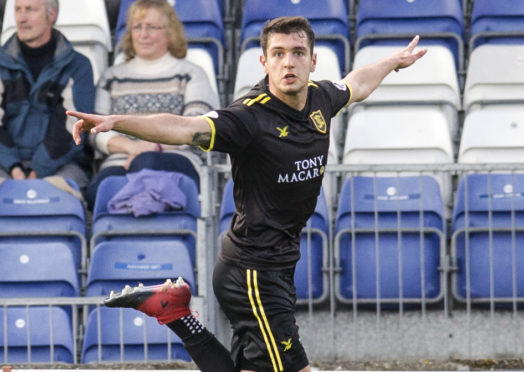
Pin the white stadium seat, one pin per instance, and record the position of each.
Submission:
(495, 77)
(390, 135)
(432, 81)
(493, 136)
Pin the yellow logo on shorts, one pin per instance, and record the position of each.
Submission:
(287, 344)
(318, 120)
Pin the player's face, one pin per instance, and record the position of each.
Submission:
(288, 64)
(149, 34)
(33, 24)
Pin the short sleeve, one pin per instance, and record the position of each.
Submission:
(232, 129)
(339, 93)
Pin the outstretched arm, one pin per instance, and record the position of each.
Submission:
(363, 81)
(159, 128)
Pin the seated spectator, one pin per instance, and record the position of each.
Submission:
(155, 77)
(41, 77)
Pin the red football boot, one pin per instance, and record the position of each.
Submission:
(166, 302)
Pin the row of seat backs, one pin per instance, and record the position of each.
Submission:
(204, 19)
(494, 79)
(37, 334)
(388, 240)
(115, 263)
(40, 223)
(381, 24)
(483, 201)
(128, 335)
(48, 270)
(394, 135)
(487, 238)
(146, 249)
(491, 22)
(371, 205)
(121, 261)
(409, 205)
(377, 23)
(90, 33)
(44, 224)
(389, 226)
(443, 21)
(418, 111)
(44, 334)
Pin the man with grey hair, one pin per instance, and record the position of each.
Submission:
(41, 77)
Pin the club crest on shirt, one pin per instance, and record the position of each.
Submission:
(318, 120)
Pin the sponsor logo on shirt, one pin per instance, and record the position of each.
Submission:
(305, 170)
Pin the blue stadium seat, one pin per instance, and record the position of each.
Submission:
(36, 211)
(394, 135)
(386, 223)
(142, 338)
(310, 275)
(496, 22)
(227, 207)
(488, 240)
(115, 264)
(310, 280)
(329, 20)
(396, 22)
(164, 226)
(203, 26)
(38, 335)
(37, 270)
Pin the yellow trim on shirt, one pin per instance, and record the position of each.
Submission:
(350, 92)
(213, 133)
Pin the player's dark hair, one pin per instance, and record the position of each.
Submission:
(287, 25)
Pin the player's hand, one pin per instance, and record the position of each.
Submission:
(406, 57)
(89, 123)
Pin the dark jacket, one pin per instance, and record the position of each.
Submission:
(34, 126)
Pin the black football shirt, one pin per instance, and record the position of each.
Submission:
(278, 156)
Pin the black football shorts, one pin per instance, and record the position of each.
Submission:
(260, 306)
